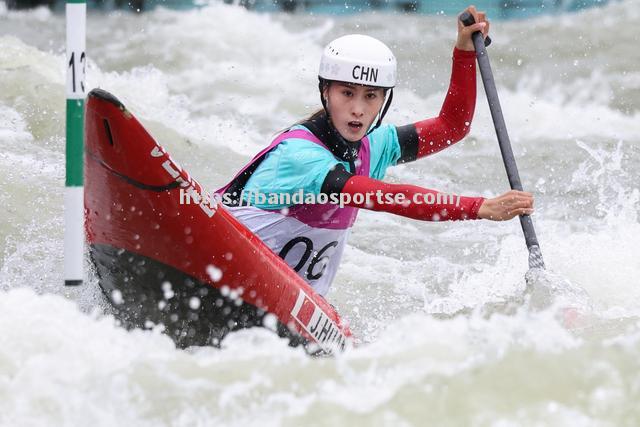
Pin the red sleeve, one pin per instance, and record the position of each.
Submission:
(454, 121)
(409, 200)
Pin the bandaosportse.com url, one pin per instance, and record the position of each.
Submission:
(251, 198)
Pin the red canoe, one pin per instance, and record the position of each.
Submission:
(193, 267)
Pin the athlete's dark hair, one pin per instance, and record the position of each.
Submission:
(313, 116)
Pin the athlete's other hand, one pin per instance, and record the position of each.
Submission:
(507, 206)
(465, 42)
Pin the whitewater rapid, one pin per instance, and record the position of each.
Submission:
(213, 85)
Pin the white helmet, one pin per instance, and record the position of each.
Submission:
(358, 59)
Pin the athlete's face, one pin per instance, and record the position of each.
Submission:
(353, 108)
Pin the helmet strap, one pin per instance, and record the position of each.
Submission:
(322, 83)
(384, 110)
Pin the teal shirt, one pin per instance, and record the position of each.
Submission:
(300, 164)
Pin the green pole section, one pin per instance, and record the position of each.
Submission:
(75, 143)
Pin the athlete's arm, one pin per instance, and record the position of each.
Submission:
(422, 203)
(453, 123)
(401, 199)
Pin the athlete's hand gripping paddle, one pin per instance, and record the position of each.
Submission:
(535, 255)
(546, 288)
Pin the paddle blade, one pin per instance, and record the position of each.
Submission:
(549, 290)
(535, 257)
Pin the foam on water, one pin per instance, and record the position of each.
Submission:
(73, 368)
(213, 85)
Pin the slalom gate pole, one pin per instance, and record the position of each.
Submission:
(76, 17)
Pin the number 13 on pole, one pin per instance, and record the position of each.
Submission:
(76, 16)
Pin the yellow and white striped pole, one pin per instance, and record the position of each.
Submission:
(76, 13)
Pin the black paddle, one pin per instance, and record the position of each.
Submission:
(535, 255)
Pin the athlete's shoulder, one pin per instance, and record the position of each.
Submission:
(301, 147)
(385, 150)
(385, 133)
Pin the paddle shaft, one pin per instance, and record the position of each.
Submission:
(535, 256)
